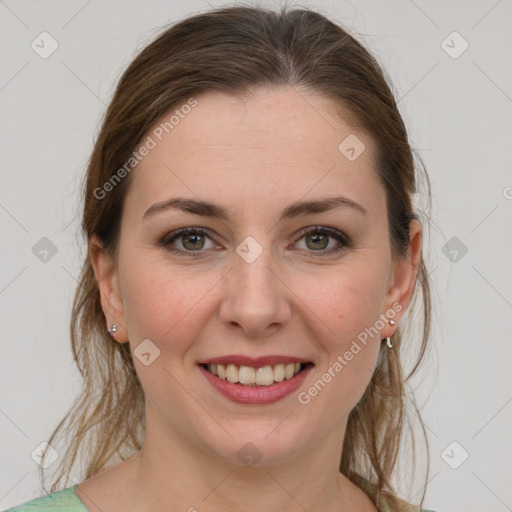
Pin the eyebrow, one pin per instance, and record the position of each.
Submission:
(208, 209)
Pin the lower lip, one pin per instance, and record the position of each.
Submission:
(259, 394)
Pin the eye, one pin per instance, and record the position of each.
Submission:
(192, 241)
(317, 240)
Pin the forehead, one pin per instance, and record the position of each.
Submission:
(275, 144)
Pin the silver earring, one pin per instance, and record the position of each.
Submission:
(112, 330)
(388, 339)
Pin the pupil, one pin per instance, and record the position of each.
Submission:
(195, 239)
(316, 240)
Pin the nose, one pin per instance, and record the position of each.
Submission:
(256, 299)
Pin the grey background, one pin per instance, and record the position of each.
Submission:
(458, 111)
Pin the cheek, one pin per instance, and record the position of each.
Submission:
(350, 307)
(352, 302)
(163, 304)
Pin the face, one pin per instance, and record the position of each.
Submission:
(307, 286)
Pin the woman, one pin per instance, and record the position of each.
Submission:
(253, 250)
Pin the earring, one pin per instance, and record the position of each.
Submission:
(112, 331)
(388, 339)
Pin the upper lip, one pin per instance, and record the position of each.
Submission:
(255, 362)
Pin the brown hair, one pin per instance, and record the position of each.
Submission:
(234, 50)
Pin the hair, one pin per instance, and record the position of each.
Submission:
(236, 50)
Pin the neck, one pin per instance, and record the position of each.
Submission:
(170, 471)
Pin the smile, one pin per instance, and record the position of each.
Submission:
(255, 385)
(251, 376)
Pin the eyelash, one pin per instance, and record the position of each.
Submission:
(337, 235)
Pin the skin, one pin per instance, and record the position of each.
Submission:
(254, 157)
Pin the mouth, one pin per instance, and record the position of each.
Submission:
(256, 377)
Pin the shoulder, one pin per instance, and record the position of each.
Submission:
(403, 506)
(389, 505)
(388, 502)
(61, 501)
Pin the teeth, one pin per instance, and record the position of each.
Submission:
(246, 375)
(232, 373)
(265, 376)
(289, 369)
(279, 372)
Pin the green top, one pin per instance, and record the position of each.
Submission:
(61, 501)
(67, 501)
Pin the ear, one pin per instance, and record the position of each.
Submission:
(403, 277)
(105, 271)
